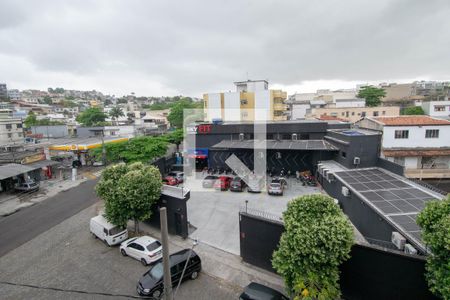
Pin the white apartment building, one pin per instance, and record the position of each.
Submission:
(11, 130)
(252, 100)
(438, 109)
(14, 95)
(419, 143)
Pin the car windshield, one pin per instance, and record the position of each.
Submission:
(275, 185)
(115, 230)
(157, 271)
(153, 246)
(210, 177)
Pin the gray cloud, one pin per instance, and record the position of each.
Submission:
(191, 47)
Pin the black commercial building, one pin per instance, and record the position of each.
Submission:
(290, 145)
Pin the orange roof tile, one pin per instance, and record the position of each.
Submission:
(410, 121)
(330, 118)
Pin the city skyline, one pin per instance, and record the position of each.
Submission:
(163, 48)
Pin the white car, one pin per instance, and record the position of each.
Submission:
(145, 249)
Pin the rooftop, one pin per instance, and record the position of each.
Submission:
(276, 145)
(409, 121)
(394, 198)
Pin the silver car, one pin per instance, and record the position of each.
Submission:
(27, 186)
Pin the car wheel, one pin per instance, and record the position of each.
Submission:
(144, 262)
(124, 253)
(93, 235)
(194, 275)
(156, 294)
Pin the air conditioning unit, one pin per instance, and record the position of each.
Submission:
(325, 172)
(294, 136)
(320, 168)
(398, 240)
(241, 136)
(345, 191)
(356, 160)
(409, 249)
(330, 177)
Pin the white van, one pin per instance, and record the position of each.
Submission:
(107, 232)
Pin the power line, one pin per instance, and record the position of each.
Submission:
(68, 290)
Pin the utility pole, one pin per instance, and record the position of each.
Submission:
(165, 249)
(103, 148)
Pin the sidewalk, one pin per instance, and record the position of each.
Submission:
(220, 264)
(12, 203)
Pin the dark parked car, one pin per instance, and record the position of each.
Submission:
(27, 186)
(237, 184)
(208, 181)
(256, 291)
(152, 282)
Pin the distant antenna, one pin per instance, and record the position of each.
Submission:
(248, 79)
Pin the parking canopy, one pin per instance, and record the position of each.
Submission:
(276, 145)
(10, 170)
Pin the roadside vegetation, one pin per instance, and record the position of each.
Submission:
(140, 149)
(317, 240)
(412, 110)
(435, 223)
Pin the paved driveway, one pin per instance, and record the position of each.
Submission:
(215, 214)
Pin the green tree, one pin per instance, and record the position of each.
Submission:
(372, 95)
(176, 114)
(435, 223)
(317, 239)
(129, 191)
(68, 103)
(116, 112)
(91, 117)
(413, 110)
(47, 100)
(30, 120)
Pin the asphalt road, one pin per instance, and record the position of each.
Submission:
(26, 224)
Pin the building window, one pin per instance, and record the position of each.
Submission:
(439, 108)
(401, 134)
(343, 114)
(375, 114)
(244, 114)
(353, 113)
(383, 112)
(244, 102)
(432, 133)
(9, 135)
(344, 154)
(363, 114)
(8, 126)
(333, 114)
(19, 125)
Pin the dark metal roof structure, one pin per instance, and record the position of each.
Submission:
(276, 145)
(10, 170)
(397, 200)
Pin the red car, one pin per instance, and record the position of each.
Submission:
(223, 183)
(169, 180)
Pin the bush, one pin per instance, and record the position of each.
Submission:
(317, 239)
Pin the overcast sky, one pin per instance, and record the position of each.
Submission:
(190, 47)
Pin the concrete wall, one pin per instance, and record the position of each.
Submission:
(232, 105)
(370, 273)
(416, 137)
(430, 108)
(54, 131)
(354, 114)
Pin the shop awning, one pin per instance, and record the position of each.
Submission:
(276, 145)
(10, 170)
(42, 163)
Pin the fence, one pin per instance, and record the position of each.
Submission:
(371, 273)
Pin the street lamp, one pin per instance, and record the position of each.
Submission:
(246, 203)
